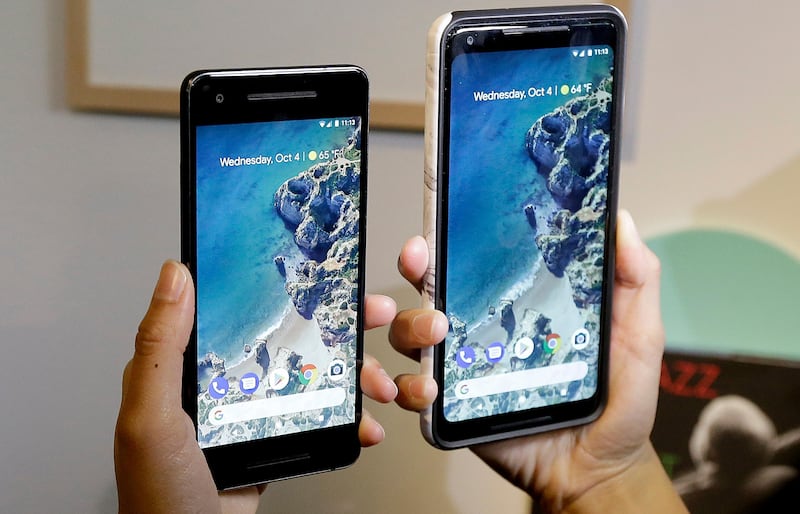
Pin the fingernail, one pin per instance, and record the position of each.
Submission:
(627, 227)
(422, 326)
(171, 282)
(422, 389)
(426, 326)
(389, 381)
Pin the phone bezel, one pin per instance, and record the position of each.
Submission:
(340, 91)
(540, 28)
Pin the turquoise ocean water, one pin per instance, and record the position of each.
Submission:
(490, 243)
(240, 293)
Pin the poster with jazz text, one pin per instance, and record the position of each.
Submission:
(728, 432)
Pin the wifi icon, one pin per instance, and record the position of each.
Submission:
(322, 124)
(574, 53)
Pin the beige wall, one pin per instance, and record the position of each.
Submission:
(88, 210)
(717, 118)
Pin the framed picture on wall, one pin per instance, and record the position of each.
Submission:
(129, 57)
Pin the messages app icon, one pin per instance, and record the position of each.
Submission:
(249, 383)
(495, 352)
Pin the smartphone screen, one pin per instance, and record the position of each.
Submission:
(277, 252)
(277, 287)
(526, 213)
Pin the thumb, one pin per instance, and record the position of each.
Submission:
(152, 379)
(637, 331)
(637, 279)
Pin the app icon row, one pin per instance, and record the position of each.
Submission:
(277, 379)
(523, 348)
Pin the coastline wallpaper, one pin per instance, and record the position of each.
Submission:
(530, 197)
(278, 256)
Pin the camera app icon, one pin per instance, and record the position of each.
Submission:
(336, 370)
(580, 339)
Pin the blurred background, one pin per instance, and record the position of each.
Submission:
(89, 209)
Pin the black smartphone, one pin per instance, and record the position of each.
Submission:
(273, 208)
(522, 151)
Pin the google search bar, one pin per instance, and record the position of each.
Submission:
(517, 380)
(277, 406)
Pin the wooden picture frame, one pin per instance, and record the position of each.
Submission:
(84, 95)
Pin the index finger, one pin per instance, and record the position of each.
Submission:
(413, 261)
(415, 329)
(379, 310)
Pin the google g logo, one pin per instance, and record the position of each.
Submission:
(217, 415)
(308, 374)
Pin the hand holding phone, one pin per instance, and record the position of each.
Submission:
(599, 467)
(522, 152)
(273, 230)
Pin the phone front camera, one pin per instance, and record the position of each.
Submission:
(470, 40)
(220, 98)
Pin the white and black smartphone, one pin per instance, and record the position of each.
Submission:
(522, 150)
(273, 194)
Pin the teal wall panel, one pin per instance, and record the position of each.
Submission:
(728, 293)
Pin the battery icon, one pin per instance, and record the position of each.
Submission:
(335, 123)
(589, 52)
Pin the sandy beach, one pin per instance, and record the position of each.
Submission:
(300, 335)
(549, 295)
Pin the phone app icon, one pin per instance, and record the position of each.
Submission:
(336, 370)
(551, 343)
(523, 348)
(495, 352)
(218, 387)
(465, 357)
(248, 383)
(278, 378)
(580, 339)
(308, 374)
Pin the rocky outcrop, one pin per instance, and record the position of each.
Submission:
(208, 367)
(507, 319)
(262, 358)
(321, 207)
(570, 148)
